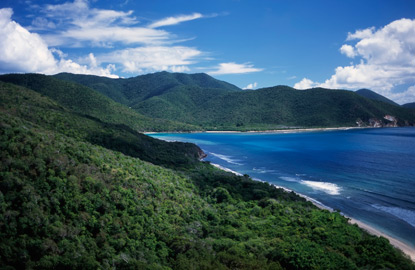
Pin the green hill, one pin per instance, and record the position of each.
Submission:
(282, 105)
(46, 113)
(133, 90)
(409, 105)
(85, 100)
(375, 96)
(202, 101)
(71, 201)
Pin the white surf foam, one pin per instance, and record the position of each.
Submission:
(226, 158)
(401, 213)
(225, 169)
(326, 187)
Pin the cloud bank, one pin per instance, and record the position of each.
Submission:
(23, 51)
(386, 60)
(121, 43)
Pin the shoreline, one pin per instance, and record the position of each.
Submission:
(284, 131)
(276, 131)
(406, 249)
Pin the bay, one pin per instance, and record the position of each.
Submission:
(367, 174)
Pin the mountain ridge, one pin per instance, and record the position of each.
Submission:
(85, 100)
(217, 109)
(146, 86)
(410, 105)
(375, 96)
(184, 102)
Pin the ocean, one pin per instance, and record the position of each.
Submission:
(367, 174)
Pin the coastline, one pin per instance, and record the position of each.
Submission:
(406, 249)
(283, 131)
(276, 131)
(393, 241)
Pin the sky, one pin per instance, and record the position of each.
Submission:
(250, 43)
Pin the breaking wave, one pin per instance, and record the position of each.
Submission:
(326, 187)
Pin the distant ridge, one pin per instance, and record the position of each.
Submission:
(132, 90)
(86, 101)
(166, 101)
(409, 105)
(375, 96)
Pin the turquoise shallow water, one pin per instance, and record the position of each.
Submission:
(367, 174)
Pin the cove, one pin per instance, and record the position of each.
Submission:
(367, 174)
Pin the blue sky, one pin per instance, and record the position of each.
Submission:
(252, 44)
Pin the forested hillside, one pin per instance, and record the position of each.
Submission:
(136, 89)
(86, 101)
(409, 105)
(282, 105)
(202, 101)
(42, 111)
(77, 192)
(375, 96)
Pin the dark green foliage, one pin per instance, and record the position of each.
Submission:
(409, 105)
(133, 90)
(375, 96)
(67, 203)
(285, 106)
(46, 113)
(212, 105)
(84, 100)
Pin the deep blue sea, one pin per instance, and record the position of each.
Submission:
(367, 174)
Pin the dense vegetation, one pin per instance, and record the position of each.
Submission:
(86, 101)
(136, 89)
(375, 96)
(40, 110)
(409, 105)
(202, 101)
(70, 202)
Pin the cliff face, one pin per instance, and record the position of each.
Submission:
(387, 121)
(392, 121)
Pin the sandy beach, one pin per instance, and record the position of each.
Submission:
(395, 242)
(410, 251)
(281, 131)
(398, 244)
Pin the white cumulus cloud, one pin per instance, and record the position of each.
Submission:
(305, 84)
(234, 68)
(104, 41)
(251, 86)
(23, 51)
(387, 60)
(348, 50)
(406, 96)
